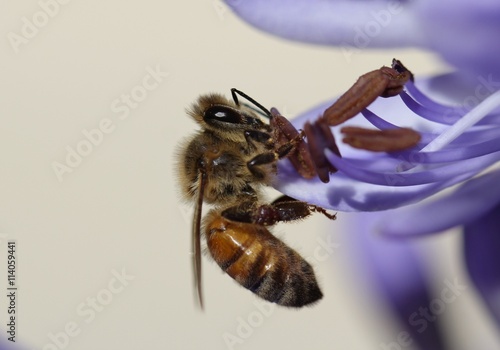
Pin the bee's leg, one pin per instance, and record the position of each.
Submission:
(241, 212)
(281, 210)
(289, 209)
(272, 156)
(252, 136)
(320, 137)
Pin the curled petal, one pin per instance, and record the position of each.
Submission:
(341, 23)
(461, 31)
(482, 247)
(468, 203)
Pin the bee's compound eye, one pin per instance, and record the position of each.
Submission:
(222, 114)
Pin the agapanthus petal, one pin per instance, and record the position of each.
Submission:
(462, 31)
(392, 271)
(448, 116)
(463, 92)
(341, 23)
(450, 155)
(470, 137)
(482, 247)
(466, 204)
(345, 194)
(424, 100)
(397, 178)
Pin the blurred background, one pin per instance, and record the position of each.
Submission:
(92, 107)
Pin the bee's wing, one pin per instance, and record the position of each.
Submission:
(196, 240)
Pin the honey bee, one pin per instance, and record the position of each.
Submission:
(235, 154)
(226, 164)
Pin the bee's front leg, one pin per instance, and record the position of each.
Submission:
(272, 156)
(256, 136)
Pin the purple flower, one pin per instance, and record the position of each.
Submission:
(458, 118)
(457, 144)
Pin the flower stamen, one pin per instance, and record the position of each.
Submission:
(388, 140)
(472, 117)
(384, 82)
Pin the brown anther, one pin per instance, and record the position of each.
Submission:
(320, 137)
(395, 81)
(400, 68)
(384, 82)
(307, 156)
(389, 140)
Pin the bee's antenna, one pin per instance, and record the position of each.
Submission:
(235, 92)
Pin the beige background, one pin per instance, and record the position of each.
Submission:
(120, 209)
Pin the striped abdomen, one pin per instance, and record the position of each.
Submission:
(260, 262)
